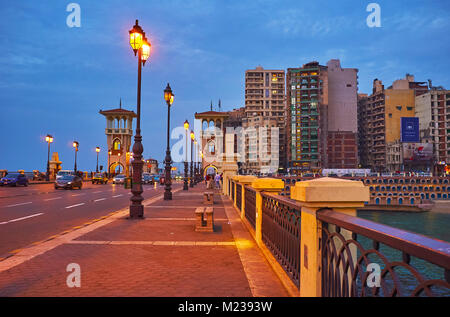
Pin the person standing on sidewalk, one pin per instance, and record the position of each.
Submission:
(217, 179)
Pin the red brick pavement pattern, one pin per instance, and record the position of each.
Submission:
(148, 270)
(131, 270)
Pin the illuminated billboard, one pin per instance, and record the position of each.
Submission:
(417, 152)
(409, 127)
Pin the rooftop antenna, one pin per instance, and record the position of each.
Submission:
(211, 106)
(120, 104)
(220, 106)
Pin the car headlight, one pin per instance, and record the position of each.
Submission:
(68, 183)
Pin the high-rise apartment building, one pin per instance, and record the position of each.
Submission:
(433, 111)
(380, 115)
(306, 95)
(264, 108)
(322, 127)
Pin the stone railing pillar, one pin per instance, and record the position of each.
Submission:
(273, 185)
(245, 180)
(340, 195)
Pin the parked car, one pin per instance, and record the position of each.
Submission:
(147, 179)
(14, 179)
(100, 178)
(69, 182)
(63, 173)
(119, 179)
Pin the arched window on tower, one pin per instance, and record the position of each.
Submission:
(116, 144)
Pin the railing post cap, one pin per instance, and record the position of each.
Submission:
(246, 179)
(330, 190)
(268, 184)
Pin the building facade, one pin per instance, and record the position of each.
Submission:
(264, 114)
(433, 110)
(323, 123)
(379, 117)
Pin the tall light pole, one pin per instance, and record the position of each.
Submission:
(48, 139)
(195, 162)
(185, 182)
(75, 144)
(97, 149)
(191, 183)
(109, 163)
(141, 46)
(168, 96)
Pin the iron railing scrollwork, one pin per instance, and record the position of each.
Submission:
(250, 205)
(409, 264)
(239, 196)
(232, 190)
(281, 232)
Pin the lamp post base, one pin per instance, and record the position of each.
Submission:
(137, 212)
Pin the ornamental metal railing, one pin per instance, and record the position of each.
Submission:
(281, 232)
(250, 205)
(365, 258)
(239, 196)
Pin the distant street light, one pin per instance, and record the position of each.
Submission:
(97, 149)
(75, 144)
(141, 46)
(191, 183)
(48, 139)
(185, 185)
(168, 96)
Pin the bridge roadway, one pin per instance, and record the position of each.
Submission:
(37, 212)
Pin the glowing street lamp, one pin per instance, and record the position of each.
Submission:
(142, 47)
(75, 144)
(109, 162)
(48, 139)
(186, 167)
(97, 149)
(168, 97)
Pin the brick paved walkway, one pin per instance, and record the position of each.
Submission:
(161, 255)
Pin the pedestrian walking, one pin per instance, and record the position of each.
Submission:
(217, 179)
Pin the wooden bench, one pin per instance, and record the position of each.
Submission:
(204, 219)
(208, 198)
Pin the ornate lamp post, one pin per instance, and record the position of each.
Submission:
(48, 139)
(141, 46)
(75, 144)
(168, 96)
(185, 182)
(191, 183)
(109, 163)
(97, 149)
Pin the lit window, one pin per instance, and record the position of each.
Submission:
(116, 145)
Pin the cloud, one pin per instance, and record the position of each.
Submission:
(297, 22)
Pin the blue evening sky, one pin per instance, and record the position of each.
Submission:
(54, 79)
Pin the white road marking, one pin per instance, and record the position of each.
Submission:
(77, 195)
(30, 202)
(117, 196)
(97, 192)
(100, 199)
(52, 198)
(74, 205)
(22, 218)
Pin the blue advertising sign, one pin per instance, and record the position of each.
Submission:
(409, 129)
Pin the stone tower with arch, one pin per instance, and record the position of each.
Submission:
(119, 130)
(218, 148)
